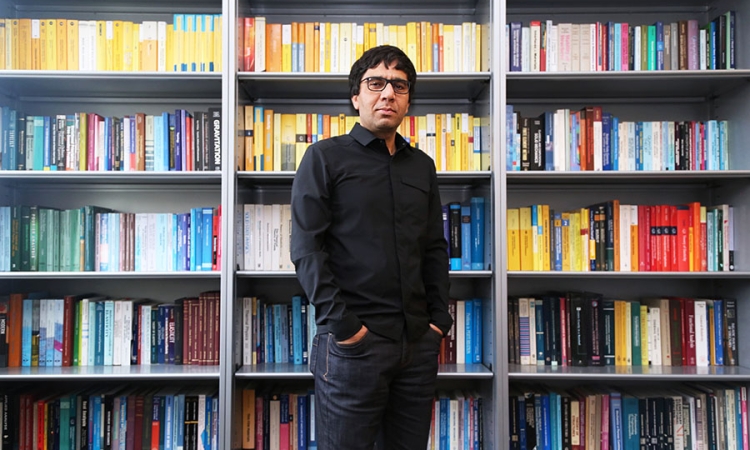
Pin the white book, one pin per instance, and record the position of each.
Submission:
(335, 44)
(467, 46)
(380, 34)
(453, 422)
(654, 336)
(575, 47)
(622, 151)
(202, 420)
(127, 331)
(161, 46)
(460, 331)
(118, 334)
(656, 140)
(525, 49)
(702, 49)
(535, 32)
(585, 47)
(345, 46)
(625, 238)
(145, 330)
(260, 44)
(631, 146)
(598, 150)
(267, 237)
(275, 237)
(323, 56)
(257, 237)
(637, 48)
(83, 343)
(247, 253)
(523, 319)
(564, 36)
(286, 42)
(286, 238)
(532, 333)
(553, 50)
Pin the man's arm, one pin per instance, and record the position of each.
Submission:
(311, 219)
(435, 262)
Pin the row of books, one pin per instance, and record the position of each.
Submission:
(611, 236)
(684, 416)
(463, 343)
(586, 329)
(592, 139)
(94, 330)
(333, 47)
(465, 228)
(96, 239)
(277, 332)
(191, 43)
(179, 141)
(121, 417)
(274, 417)
(545, 46)
(276, 141)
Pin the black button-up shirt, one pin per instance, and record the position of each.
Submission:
(367, 237)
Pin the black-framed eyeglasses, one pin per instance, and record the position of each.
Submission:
(378, 84)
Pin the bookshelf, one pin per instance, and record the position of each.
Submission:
(473, 92)
(112, 93)
(634, 95)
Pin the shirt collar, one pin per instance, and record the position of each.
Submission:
(365, 137)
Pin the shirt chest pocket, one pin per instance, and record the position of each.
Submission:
(414, 199)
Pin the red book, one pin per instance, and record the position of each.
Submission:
(688, 331)
(666, 233)
(215, 239)
(67, 337)
(695, 236)
(683, 238)
(643, 239)
(672, 257)
(130, 420)
(248, 47)
(655, 224)
(564, 341)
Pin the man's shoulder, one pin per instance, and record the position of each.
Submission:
(332, 143)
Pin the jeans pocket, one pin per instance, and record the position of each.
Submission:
(314, 353)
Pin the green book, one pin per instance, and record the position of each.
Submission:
(635, 335)
(652, 47)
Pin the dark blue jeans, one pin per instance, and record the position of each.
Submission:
(374, 386)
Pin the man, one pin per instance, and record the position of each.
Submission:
(368, 246)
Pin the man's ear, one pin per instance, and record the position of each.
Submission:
(355, 102)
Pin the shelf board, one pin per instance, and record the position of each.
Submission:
(628, 275)
(20, 178)
(142, 6)
(700, 84)
(109, 86)
(292, 274)
(616, 177)
(110, 373)
(286, 177)
(552, 6)
(301, 371)
(285, 85)
(518, 372)
(106, 275)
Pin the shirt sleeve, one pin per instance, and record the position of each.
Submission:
(311, 219)
(435, 262)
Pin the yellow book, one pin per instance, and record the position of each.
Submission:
(411, 42)
(170, 49)
(24, 44)
(527, 239)
(288, 142)
(565, 227)
(439, 143)
(199, 49)
(127, 46)
(333, 126)
(350, 122)
(36, 44)
(4, 48)
(711, 332)
(118, 58)
(466, 126)
(418, 47)
(268, 140)
(371, 35)
(44, 60)
(479, 42)
(325, 36)
(402, 40)
(620, 325)
(644, 335)
(276, 166)
(13, 50)
(149, 46)
(422, 133)
(258, 138)
(313, 125)
(218, 55)
(476, 147)
(628, 333)
(448, 127)
(634, 259)
(342, 125)
(449, 48)
(537, 228)
(136, 47)
(178, 43)
(249, 136)
(576, 250)
(316, 46)
(426, 47)
(189, 47)
(101, 45)
(286, 47)
(301, 137)
(62, 44)
(82, 137)
(514, 243)
(546, 238)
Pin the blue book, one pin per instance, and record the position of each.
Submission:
(312, 442)
(207, 239)
(297, 328)
(631, 423)
(477, 233)
(606, 141)
(549, 144)
(57, 336)
(478, 331)
(193, 237)
(615, 427)
(38, 155)
(304, 308)
(99, 333)
(26, 323)
(43, 308)
(179, 139)
(454, 219)
(302, 422)
(510, 135)
(446, 228)
(466, 241)
(615, 143)
(639, 146)
(575, 157)
(276, 334)
(4, 150)
(538, 420)
(95, 422)
(557, 223)
(469, 331)
(719, 331)
(522, 441)
(554, 423)
(286, 343)
(179, 406)
(444, 403)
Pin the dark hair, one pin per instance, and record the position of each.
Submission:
(387, 54)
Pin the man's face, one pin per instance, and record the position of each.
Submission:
(381, 112)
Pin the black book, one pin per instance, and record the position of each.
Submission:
(214, 140)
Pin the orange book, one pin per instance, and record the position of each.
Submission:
(248, 47)
(309, 46)
(249, 137)
(190, 150)
(48, 48)
(140, 141)
(273, 47)
(14, 50)
(268, 140)
(36, 44)
(316, 47)
(15, 316)
(24, 44)
(439, 40)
